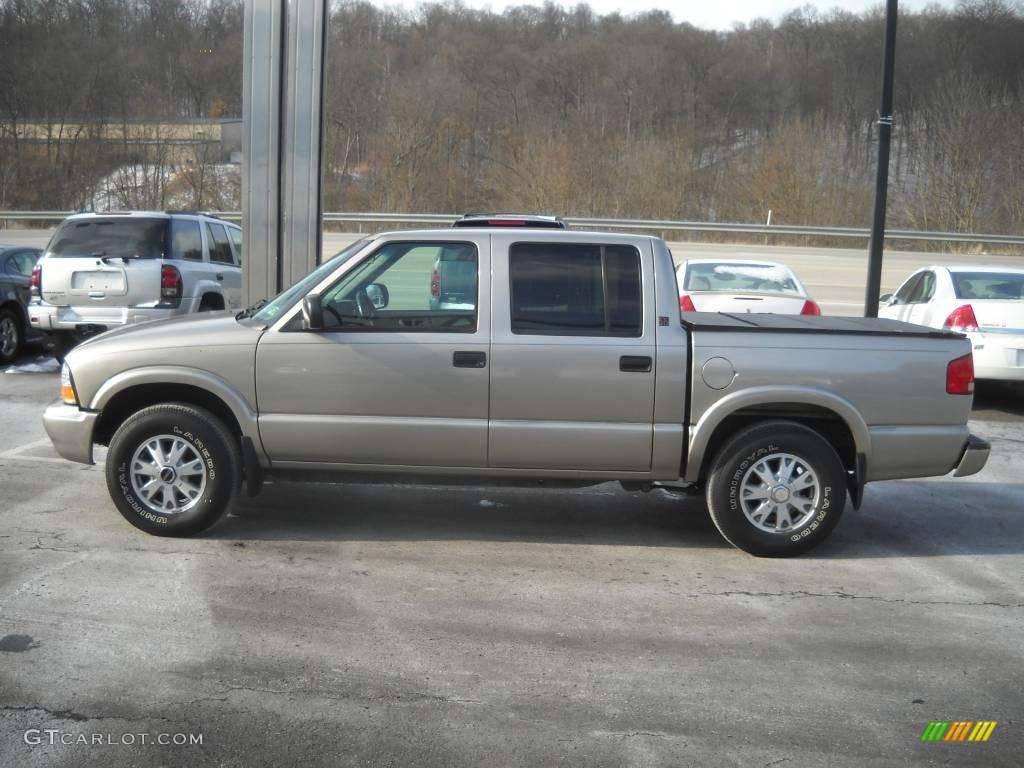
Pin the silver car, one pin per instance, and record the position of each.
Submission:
(108, 270)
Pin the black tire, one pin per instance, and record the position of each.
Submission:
(209, 445)
(12, 336)
(734, 474)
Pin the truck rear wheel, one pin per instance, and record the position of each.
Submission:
(173, 469)
(776, 489)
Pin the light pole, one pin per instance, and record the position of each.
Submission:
(882, 173)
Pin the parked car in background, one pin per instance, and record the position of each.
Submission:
(733, 285)
(16, 263)
(107, 270)
(986, 303)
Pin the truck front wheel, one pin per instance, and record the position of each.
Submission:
(776, 489)
(173, 469)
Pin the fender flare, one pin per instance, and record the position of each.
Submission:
(701, 432)
(243, 412)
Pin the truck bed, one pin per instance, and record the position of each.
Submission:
(721, 321)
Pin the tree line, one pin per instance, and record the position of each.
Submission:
(448, 109)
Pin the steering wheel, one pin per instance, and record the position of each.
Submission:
(337, 315)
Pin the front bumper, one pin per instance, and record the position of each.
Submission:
(50, 318)
(974, 457)
(70, 430)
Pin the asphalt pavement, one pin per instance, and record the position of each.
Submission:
(357, 625)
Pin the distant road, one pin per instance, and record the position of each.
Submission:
(834, 276)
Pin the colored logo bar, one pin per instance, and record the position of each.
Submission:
(958, 730)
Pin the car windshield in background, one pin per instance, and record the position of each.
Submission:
(288, 297)
(130, 237)
(741, 278)
(989, 285)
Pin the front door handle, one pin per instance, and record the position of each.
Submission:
(635, 364)
(469, 359)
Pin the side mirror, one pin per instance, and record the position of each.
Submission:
(378, 295)
(312, 312)
(888, 299)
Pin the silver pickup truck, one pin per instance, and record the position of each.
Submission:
(557, 358)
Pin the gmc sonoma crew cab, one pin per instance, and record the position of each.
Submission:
(564, 362)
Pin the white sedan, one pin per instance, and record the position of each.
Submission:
(986, 303)
(728, 285)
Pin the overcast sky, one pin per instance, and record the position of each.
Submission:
(712, 14)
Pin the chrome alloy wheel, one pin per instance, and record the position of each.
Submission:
(167, 474)
(8, 337)
(779, 493)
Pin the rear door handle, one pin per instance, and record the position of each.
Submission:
(635, 364)
(220, 277)
(469, 359)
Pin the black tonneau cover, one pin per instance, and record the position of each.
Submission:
(722, 321)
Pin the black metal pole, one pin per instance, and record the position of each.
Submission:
(882, 172)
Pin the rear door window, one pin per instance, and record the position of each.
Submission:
(220, 248)
(236, 240)
(908, 289)
(132, 237)
(186, 240)
(575, 290)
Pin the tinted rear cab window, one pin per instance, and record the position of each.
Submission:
(116, 237)
(575, 290)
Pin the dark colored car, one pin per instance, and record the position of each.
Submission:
(16, 263)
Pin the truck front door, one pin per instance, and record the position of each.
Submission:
(399, 373)
(572, 353)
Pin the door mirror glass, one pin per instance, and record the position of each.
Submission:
(312, 313)
(378, 295)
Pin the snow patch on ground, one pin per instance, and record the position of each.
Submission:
(40, 364)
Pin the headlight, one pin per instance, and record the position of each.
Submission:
(67, 386)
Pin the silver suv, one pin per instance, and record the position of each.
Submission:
(106, 270)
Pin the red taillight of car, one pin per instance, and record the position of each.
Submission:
(960, 376)
(686, 304)
(435, 283)
(962, 319)
(37, 279)
(810, 308)
(170, 284)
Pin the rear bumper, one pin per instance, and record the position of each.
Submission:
(974, 457)
(51, 318)
(70, 430)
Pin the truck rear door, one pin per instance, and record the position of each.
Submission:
(572, 353)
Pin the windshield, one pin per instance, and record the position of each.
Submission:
(272, 309)
(741, 278)
(132, 237)
(989, 285)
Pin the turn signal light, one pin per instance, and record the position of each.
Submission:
(686, 304)
(67, 386)
(962, 319)
(811, 308)
(960, 376)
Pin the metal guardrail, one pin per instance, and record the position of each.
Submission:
(665, 225)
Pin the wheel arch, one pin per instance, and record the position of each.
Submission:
(831, 416)
(130, 391)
